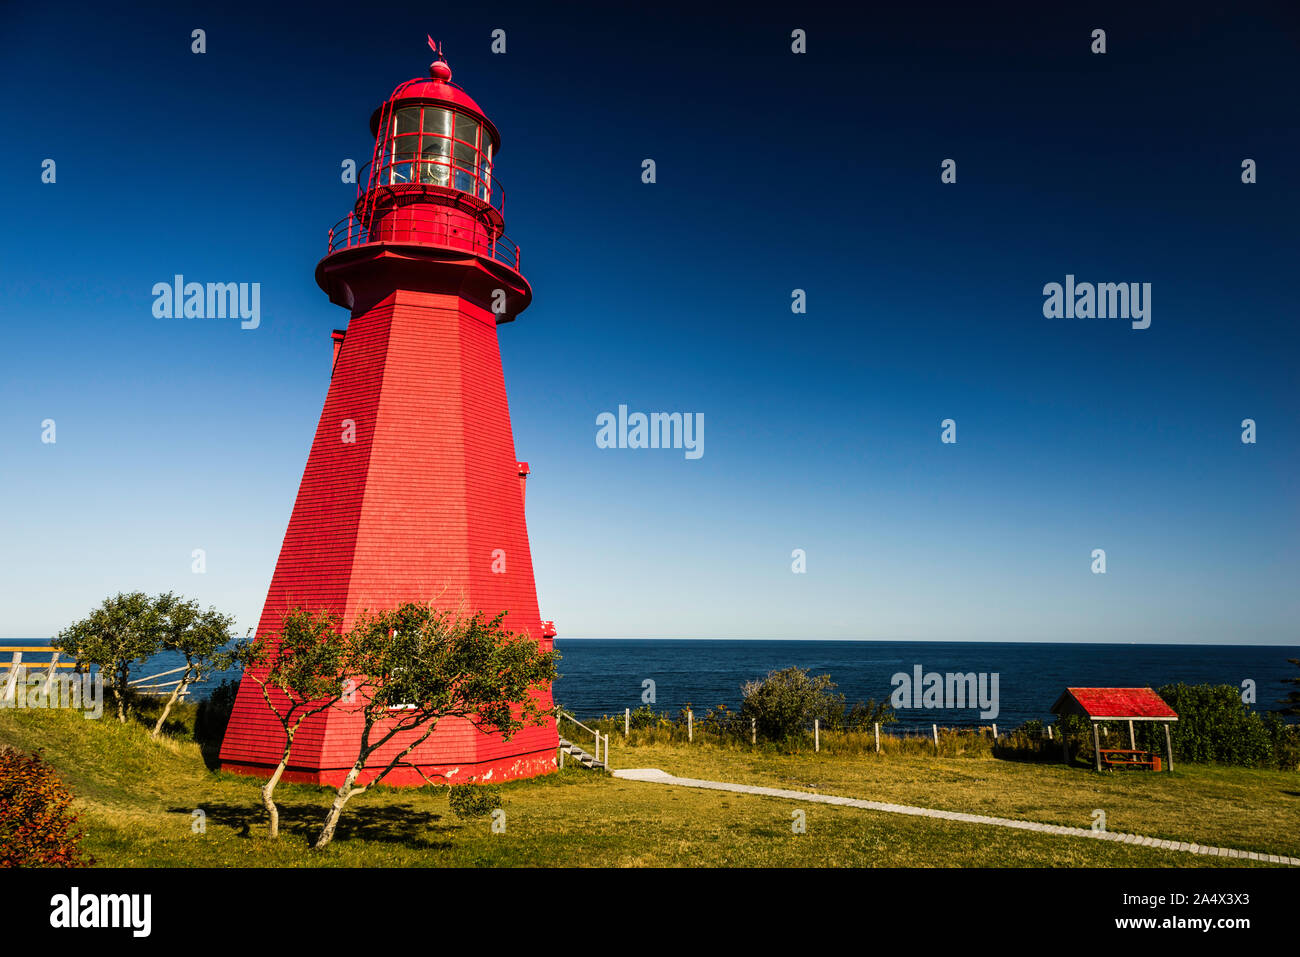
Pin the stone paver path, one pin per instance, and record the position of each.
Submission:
(655, 776)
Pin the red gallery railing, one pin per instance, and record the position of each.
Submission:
(425, 225)
(404, 184)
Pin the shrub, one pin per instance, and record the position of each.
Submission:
(1215, 725)
(474, 800)
(1285, 741)
(862, 716)
(1291, 703)
(724, 722)
(1029, 742)
(647, 717)
(1074, 733)
(786, 702)
(36, 829)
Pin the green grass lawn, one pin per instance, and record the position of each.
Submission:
(1245, 808)
(136, 799)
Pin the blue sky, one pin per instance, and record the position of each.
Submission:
(775, 171)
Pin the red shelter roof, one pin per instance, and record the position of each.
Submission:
(1139, 704)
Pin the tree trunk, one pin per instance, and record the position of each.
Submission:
(346, 790)
(267, 790)
(120, 690)
(167, 709)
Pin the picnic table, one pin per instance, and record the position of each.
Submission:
(1129, 758)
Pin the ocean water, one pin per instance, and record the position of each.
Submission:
(604, 676)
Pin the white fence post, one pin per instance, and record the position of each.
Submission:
(627, 721)
(935, 729)
(12, 683)
(607, 767)
(690, 726)
(49, 677)
(817, 734)
(1049, 732)
(753, 731)
(995, 731)
(877, 737)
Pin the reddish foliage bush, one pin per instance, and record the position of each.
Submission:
(35, 826)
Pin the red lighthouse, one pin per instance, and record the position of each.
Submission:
(412, 490)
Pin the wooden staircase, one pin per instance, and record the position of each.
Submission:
(597, 761)
(587, 760)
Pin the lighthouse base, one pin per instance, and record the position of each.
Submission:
(484, 772)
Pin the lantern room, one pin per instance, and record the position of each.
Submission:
(431, 132)
(429, 189)
(434, 144)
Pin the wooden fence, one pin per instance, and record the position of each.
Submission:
(22, 660)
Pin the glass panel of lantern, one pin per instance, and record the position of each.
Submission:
(435, 147)
(485, 173)
(407, 120)
(402, 157)
(466, 130)
(465, 163)
(437, 121)
(466, 153)
(434, 164)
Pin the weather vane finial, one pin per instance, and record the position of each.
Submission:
(438, 69)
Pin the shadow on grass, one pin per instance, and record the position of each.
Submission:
(211, 751)
(385, 824)
(1030, 756)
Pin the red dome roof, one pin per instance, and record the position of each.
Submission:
(437, 87)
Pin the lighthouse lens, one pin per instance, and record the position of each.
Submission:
(434, 167)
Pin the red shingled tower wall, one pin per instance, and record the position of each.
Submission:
(426, 498)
